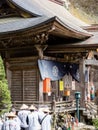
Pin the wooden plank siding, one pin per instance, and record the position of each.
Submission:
(24, 85)
(30, 85)
(24, 79)
(16, 85)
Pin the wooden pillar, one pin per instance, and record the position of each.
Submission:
(23, 87)
(40, 98)
(45, 97)
(40, 48)
(8, 73)
(82, 81)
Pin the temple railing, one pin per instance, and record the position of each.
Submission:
(54, 106)
(91, 110)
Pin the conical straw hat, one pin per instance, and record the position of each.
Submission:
(46, 110)
(11, 114)
(24, 106)
(32, 107)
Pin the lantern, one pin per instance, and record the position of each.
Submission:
(61, 85)
(77, 95)
(46, 85)
(67, 92)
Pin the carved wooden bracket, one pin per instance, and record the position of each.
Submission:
(41, 38)
(40, 49)
(90, 55)
(24, 41)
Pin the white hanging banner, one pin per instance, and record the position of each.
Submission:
(73, 85)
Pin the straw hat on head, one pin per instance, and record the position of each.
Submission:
(11, 114)
(32, 107)
(23, 107)
(46, 110)
(41, 109)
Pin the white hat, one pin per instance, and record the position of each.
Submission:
(24, 106)
(46, 110)
(41, 109)
(11, 114)
(32, 107)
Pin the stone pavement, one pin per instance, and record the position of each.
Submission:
(82, 126)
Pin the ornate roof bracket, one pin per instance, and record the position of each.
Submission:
(12, 42)
(41, 38)
(40, 49)
(90, 55)
(5, 43)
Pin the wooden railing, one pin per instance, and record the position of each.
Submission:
(90, 110)
(54, 106)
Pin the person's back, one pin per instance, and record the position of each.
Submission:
(33, 121)
(45, 119)
(22, 114)
(46, 123)
(23, 117)
(13, 110)
(11, 124)
(17, 120)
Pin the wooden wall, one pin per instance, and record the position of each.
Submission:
(22, 74)
(24, 85)
(25, 82)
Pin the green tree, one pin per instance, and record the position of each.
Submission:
(95, 123)
(5, 98)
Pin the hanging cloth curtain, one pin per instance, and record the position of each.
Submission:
(56, 70)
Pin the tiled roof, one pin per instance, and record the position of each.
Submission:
(43, 10)
(16, 24)
(48, 8)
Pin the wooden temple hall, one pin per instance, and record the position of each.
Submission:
(47, 52)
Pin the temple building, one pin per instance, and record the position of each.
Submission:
(47, 51)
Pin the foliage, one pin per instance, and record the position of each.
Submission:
(95, 122)
(86, 10)
(5, 99)
(89, 6)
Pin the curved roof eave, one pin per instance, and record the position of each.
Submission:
(21, 24)
(11, 25)
(79, 31)
(92, 41)
(23, 6)
(50, 9)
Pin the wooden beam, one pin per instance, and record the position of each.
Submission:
(92, 62)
